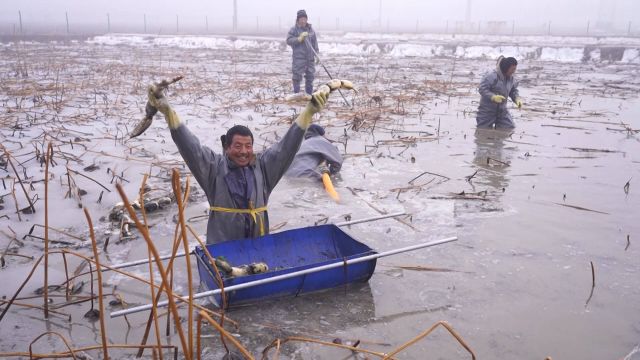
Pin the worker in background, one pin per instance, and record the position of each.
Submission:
(495, 88)
(316, 156)
(303, 42)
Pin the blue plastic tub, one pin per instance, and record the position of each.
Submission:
(287, 252)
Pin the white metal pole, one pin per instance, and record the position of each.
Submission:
(287, 276)
(182, 253)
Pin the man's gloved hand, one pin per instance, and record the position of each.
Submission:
(317, 61)
(519, 102)
(498, 99)
(302, 36)
(323, 168)
(160, 102)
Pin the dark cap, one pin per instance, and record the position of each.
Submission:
(301, 13)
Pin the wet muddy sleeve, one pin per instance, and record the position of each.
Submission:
(201, 160)
(292, 37)
(277, 158)
(333, 157)
(486, 84)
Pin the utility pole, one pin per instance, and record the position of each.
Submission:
(20, 18)
(145, 23)
(235, 16)
(108, 23)
(467, 16)
(177, 25)
(380, 15)
(66, 15)
(206, 22)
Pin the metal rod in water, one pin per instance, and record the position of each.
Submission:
(374, 218)
(287, 276)
(306, 40)
(182, 253)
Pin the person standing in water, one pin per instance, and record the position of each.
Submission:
(303, 42)
(496, 86)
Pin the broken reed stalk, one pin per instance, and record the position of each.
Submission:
(87, 177)
(198, 343)
(94, 245)
(135, 277)
(626, 187)
(426, 333)
(278, 342)
(67, 316)
(176, 245)
(163, 274)
(183, 229)
(66, 275)
(226, 334)
(154, 311)
(15, 295)
(218, 279)
(56, 230)
(73, 354)
(215, 269)
(628, 243)
(15, 199)
(46, 230)
(24, 190)
(593, 284)
(85, 348)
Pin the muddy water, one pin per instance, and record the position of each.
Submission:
(549, 201)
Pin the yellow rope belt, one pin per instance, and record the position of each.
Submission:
(252, 211)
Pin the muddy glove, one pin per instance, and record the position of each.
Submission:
(518, 102)
(160, 102)
(498, 99)
(302, 36)
(318, 99)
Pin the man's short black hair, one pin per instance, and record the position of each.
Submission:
(235, 130)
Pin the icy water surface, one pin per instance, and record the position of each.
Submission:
(532, 209)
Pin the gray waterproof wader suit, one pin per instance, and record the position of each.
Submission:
(303, 57)
(489, 112)
(238, 196)
(313, 151)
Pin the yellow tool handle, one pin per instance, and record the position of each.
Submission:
(328, 185)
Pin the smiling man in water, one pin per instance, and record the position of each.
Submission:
(238, 182)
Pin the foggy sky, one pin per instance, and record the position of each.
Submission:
(349, 12)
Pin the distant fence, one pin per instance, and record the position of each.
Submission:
(204, 24)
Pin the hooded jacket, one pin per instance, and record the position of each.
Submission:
(496, 83)
(314, 150)
(301, 51)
